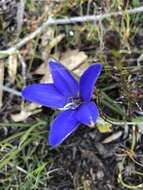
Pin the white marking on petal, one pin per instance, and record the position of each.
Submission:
(92, 123)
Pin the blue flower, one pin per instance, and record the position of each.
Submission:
(68, 95)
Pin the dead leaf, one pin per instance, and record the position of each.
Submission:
(73, 60)
(47, 78)
(12, 67)
(27, 111)
(43, 69)
(113, 137)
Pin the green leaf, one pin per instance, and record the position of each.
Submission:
(112, 105)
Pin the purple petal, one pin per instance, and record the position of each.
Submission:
(44, 94)
(63, 79)
(64, 124)
(88, 113)
(87, 81)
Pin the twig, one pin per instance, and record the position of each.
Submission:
(123, 123)
(80, 19)
(20, 15)
(12, 91)
(1, 80)
(102, 121)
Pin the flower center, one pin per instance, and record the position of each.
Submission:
(73, 103)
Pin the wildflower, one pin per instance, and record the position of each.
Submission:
(68, 95)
